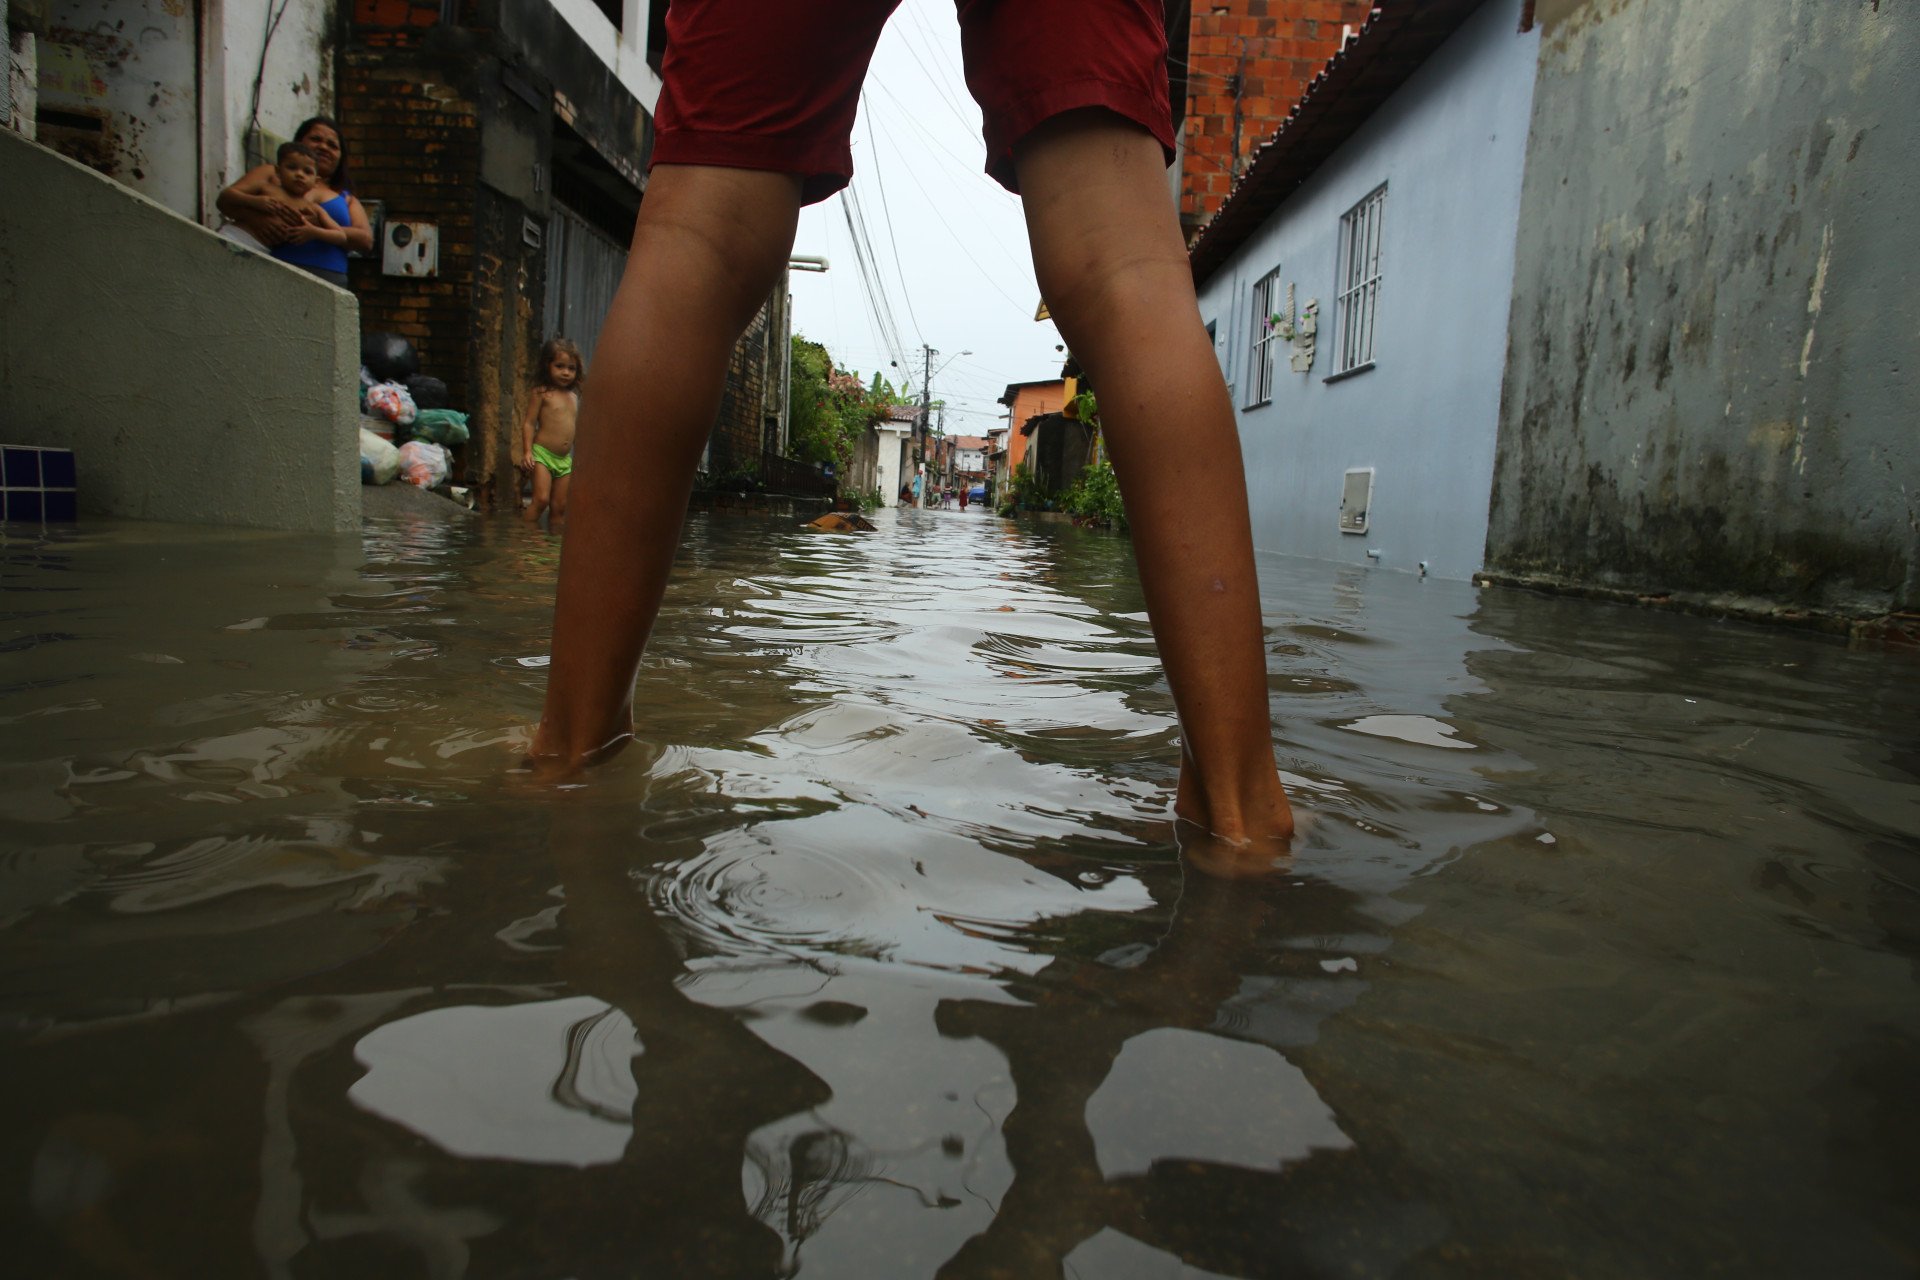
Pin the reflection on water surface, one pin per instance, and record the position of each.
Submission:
(878, 957)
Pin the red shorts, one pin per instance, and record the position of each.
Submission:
(775, 84)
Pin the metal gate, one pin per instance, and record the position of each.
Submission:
(583, 269)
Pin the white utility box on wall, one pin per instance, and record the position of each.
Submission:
(410, 249)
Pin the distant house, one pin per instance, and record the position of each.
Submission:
(996, 465)
(1357, 283)
(970, 457)
(1058, 449)
(1026, 401)
(883, 456)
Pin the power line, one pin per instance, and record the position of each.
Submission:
(875, 297)
(934, 83)
(934, 207)
(878, 292)
(973, 175)
(886, 209)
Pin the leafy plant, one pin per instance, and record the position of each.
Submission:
(1095, 496)
(1025, 489)
(831, 409)
(1085, 408)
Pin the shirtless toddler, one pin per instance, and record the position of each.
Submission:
(546, 430)
(284, 188)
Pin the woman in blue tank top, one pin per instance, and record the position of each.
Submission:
(272, 223)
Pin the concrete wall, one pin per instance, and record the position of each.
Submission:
(194, 380)
(117, 92)
(161, 101)
(1449, 146)
(296, 78)
(1710, 384)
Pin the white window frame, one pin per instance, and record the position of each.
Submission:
(1260, 351)
(1357, 284)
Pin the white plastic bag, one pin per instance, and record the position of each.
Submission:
(424, 463)
(391, 401)
(379, 460)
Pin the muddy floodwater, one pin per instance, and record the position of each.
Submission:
(879, 956)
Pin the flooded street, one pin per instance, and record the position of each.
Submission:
(878, 957)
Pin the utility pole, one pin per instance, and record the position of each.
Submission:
(926, 408)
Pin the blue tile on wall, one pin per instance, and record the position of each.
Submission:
(24, 505)
(56, 468)
(22, 467)
(61, 505)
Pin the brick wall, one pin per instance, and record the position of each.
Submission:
(504, 341)
(394, 21)
(1248, 62)
(415, 148)
(737, 435)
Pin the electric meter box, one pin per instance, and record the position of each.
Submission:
(410, 249)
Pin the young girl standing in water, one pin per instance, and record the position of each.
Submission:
(546, 429)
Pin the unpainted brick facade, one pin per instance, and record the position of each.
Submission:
(448, 123)
(1248, 62)
(752, 394)
(416, 99)
(415, 147)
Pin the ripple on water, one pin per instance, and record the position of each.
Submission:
(742, 894)
(202, 870)
(854, 886)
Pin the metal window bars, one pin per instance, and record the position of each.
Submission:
(1260, 366)
(1359, 281)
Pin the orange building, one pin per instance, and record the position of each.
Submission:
(1026, 400)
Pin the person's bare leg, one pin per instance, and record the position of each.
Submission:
(1114, 272)
(557, 504)
(542, 494)
(709, 246)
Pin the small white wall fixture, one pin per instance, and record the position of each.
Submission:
(410, 249)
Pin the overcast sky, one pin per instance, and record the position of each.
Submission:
(948, 242)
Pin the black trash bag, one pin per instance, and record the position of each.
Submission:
(427, 392)
(388, 357)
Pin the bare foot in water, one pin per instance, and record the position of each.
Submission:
(1222, 859)
(547, 763)
(1267, 816)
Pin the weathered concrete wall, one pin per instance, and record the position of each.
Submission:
(296, 79)
(118, 92)
(1449, 147)
(1709, 385)
(195, 381)
(159, 94)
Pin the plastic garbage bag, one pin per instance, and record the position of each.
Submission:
(389, 357)
(379, 460)
(441, 426)
(391, 401)
(427, 392)
(424, 463)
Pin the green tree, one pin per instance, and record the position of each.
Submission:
(831, 409)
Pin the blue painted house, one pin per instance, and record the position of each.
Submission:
(1358, 283)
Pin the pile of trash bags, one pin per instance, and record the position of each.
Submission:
(392, 387)
(418, 462)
